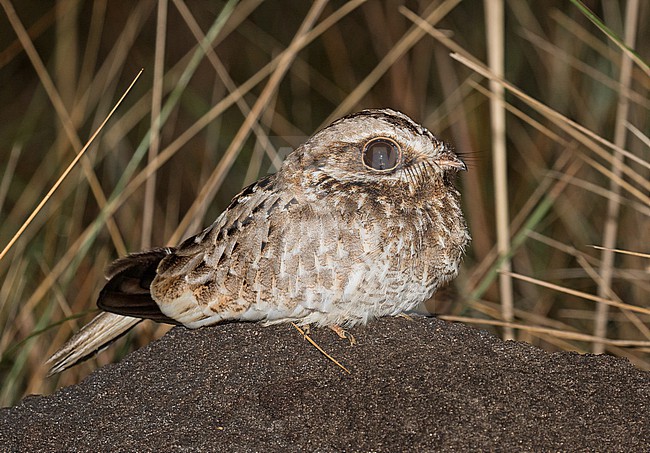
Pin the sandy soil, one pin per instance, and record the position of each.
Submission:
(418, 385)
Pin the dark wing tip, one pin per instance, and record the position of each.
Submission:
(127, 291)
(140, 258)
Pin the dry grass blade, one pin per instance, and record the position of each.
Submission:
(548, 331)
(212, 184)
(642, 137)
(624, 46)
(581, 294)
(220, 69)
(582, 134)
(9, 171)
(399, 49)
(610, 233)
(67, 171)
(625, 252)
(494, 25)
(322, 351)
(156, 105)
(639, 194)
(63, 115)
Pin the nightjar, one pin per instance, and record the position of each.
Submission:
(361, 221)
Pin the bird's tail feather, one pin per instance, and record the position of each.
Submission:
(94, 336)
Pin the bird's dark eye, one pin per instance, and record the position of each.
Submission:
(381, 154)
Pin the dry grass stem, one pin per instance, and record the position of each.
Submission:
(156, 107)
(66, 172)
(322, 351)
(545, 330)
(581, 294)
(494, 19)
(613, 207)
(625, 252)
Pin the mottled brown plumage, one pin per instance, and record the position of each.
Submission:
(362, 221)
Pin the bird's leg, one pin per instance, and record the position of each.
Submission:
(405, 316)
(343, 333)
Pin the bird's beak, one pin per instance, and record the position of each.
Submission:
(450, 161)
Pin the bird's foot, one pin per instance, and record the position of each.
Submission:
(342, 333)
(405, 316)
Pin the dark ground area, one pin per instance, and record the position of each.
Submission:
(418, 385)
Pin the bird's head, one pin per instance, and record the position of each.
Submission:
(375, 149)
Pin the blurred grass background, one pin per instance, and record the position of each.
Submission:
(206, 119)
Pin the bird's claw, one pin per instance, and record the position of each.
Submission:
(342, 333)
